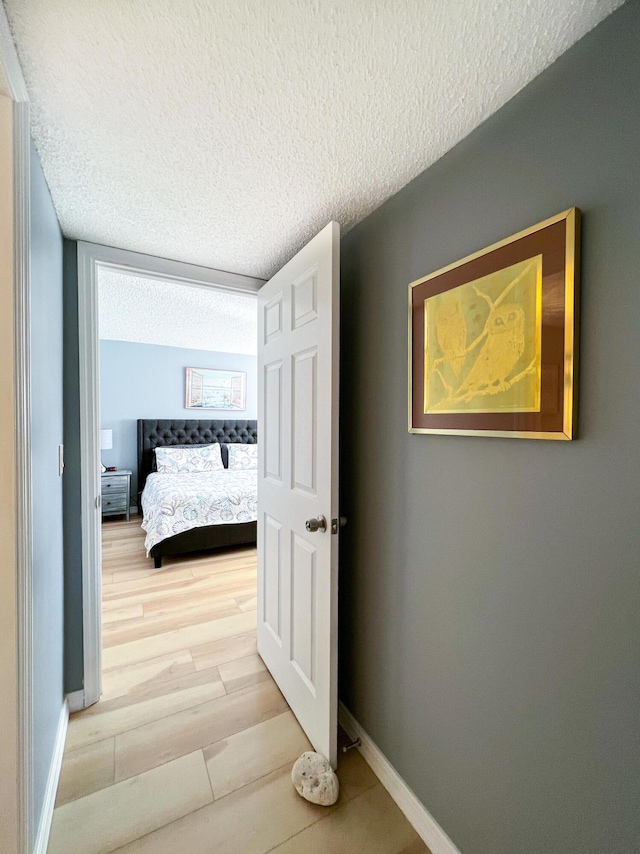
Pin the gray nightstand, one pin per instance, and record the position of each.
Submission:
(116, 493)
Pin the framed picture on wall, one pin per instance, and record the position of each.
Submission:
(493, 338)
(209, 388)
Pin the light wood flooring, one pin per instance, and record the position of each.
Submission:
(191, 747)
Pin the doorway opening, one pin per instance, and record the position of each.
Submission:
(179, 501)
(94, 261)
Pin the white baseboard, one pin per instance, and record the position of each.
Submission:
(46, 816)
(75, 701)
(423, 822)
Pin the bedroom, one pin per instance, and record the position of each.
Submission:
(187, 354)
(161, 345)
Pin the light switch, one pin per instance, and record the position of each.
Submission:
(60, 460)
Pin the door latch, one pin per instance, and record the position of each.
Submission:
(338, 523)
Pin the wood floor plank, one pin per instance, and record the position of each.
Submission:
(130, 653)
(153, 581)
(108, 819)
(238, 563)
(120, 681)
(124, 545)
(224, 650)
(203, 565)
(241, 672)
(165, 738)
(252, 753)
(128, 568)
(115, 634)
(119, 715)
(417, 846)
(371, 823)
(213, 589)
(129, 612)
(163, 686)
(134, 570)
(86, 770)
(355, 776)
(169, 596)
(252, 820)
(247, 603)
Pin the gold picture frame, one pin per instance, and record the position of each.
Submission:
(493, 338)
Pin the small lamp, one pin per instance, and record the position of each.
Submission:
(106, 443)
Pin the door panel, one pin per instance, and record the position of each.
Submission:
(273, 579)
(303, 604)
(303, 422)
(272, 427)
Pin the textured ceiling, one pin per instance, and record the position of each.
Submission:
(7, 55)
(227, 132)
(153, 312)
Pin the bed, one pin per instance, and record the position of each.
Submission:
(161, 498)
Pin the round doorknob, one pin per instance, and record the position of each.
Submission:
(313, 525)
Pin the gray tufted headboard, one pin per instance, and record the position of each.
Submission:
(153, 433)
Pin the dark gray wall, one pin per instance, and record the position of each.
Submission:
(73, 641)
(47, 434)
(490, 588)
(148, 381)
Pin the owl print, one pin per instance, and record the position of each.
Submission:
(503, 347)
(451, 333)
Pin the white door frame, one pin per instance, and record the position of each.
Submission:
(13, 86)
(91, 258)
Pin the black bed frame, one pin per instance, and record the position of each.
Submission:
(154, 433)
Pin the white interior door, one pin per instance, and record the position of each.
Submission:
(298, 350)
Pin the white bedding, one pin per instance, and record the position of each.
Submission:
(172, 503)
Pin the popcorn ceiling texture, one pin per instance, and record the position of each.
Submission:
(4, 86)
(5, 42)
(227, 133)
(176, 315)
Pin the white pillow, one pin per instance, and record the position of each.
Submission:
(186, 460)
(243, 457)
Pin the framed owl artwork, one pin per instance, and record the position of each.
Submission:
(493, 338)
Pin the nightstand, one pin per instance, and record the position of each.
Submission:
(116, 493)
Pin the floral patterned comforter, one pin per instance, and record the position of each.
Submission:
(172, 503)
